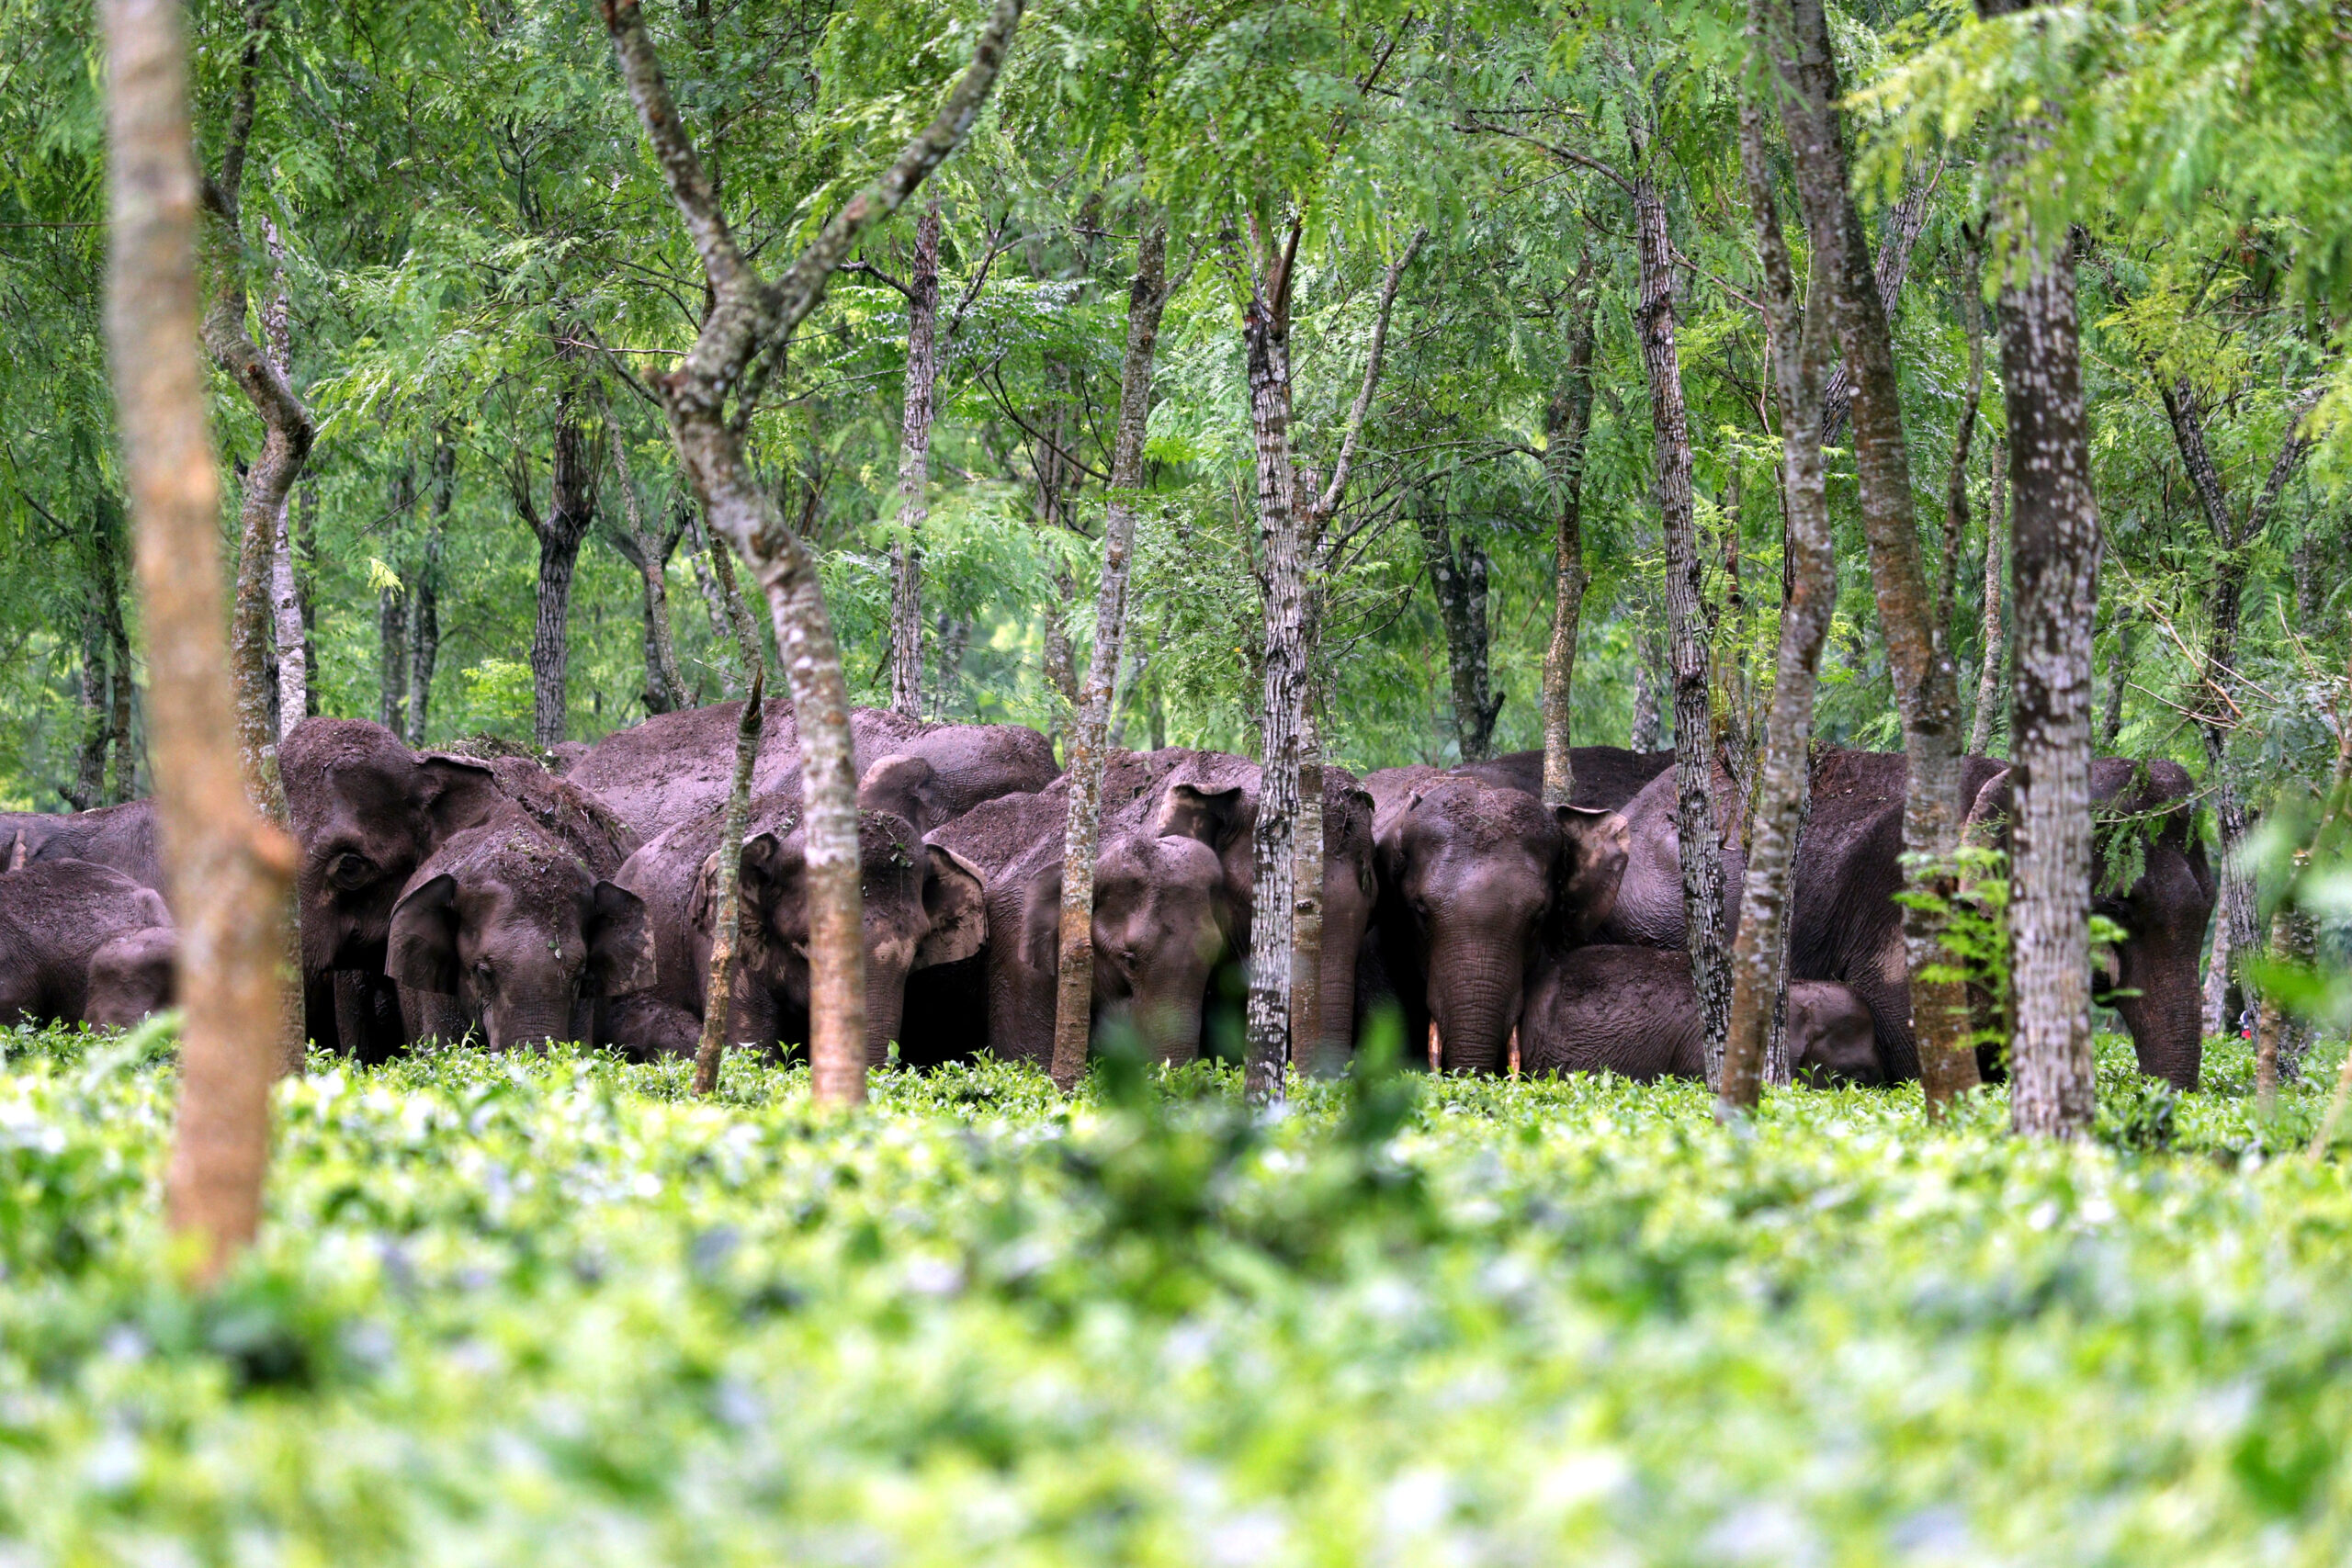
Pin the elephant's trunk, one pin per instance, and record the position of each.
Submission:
(1472, 1016)
(2166, 1017)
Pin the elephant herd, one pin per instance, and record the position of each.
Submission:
(447, 895)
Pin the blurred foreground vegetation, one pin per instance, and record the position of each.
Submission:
(549, 1309)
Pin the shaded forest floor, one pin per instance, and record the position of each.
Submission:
(547, 1309)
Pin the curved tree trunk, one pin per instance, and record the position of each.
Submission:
(228, 870)
(747, 327)
(1074, 995)
(1567, 425)
(914, 470)
(1694, 817)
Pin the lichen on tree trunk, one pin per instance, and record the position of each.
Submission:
(914, 469)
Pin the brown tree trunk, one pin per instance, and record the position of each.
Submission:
(1927, 685)
(1701, 848)
(1988, 678)
(749, 324)
(1074, 996)
(727, 906)
(424, 615)
(89, 785)
(2119, 676)
(1458, 574)
(229, 871)
(1904, 223)
(571, 507)
(1567, 425)
(1643, 735)
(648, 551)
(914, 470)
(1799, 340)
(124, 784)
(1306, 904)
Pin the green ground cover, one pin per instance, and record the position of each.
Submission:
(547, 1309)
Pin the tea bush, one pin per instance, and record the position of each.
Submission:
(548, 1309)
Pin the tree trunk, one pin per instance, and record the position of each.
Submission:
(914, 470)
(229, 871)
(751, 320)
(1701, 848)
(89, 785)
(954, 634)
(124, 785)
(425, 616)
(1647, 721)
(288, 634)
(571, 507)
(2273, 1018)
(2053, 549)
(1988, 679)
(702, 554)
(1307, 905)
(1458, 575)
(1798, 341)
(1074, 998)
(649, 552)
(2217, 962)
(2119, 676)
(1905, 221)
(391, 621)
(727, 905)
(1926, 685)
(1281, 581)
(1567, 425)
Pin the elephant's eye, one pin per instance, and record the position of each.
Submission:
(482, 971)
(351, 871)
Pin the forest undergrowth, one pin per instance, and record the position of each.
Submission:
(551, 1309)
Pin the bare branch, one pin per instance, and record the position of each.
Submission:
(1356, 415)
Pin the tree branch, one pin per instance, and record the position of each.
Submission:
(1356, 415)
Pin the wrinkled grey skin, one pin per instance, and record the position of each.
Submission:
(921, 907)
(55, 917)
(1634, 1011)
(677, 767)
(131, 976)
(2154, 981)
(1476, 881)
(367, 812)
(1158, 929)
(1606, 776)
(505, 925)
(1845, 926)
(121, 837)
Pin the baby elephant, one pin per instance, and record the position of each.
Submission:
(80, 943)
(1634, 1011)
(506, 929)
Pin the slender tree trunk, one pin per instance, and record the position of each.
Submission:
(727, 906)
(748, 326)
(1988, 680)
(1307, 905)
(1281, 579)
(571, 507)
(1458, 575)
(1905, 221)
(954, 635)
(1074, 996)
(1567, 424)
(1701, 848)
(228, 870)
(2119, 676)
(1926, 685)
(89, 787)
(914, 470)
(2217, 962)
(1799, 342)
(293, 643)
(2273, 1018)
(124, 785)
(649, 552)
(1647, 721)
(705, 556)
(2053, 551)
(424, 617)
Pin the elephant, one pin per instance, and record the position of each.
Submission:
(1160, 924)
(1845, 926)
(1605, 775)
(120, 837)
(1476, 881)
(367, 811)
(56, 918)
(505, 928)
(921, 906)
(677, 767)
(2155, 883)
(131, 976)
(1634, 1011)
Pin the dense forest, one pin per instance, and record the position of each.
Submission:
(1072, 590)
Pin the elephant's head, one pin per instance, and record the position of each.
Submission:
(920, 905)
(130, 976)
(507, 919)
(1158, 925)
(367, 812)
(1831, 1037)
(1472, 878)
(2149, 876)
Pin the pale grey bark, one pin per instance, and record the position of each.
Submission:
(914, 469)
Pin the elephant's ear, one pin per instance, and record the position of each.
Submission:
(1188, 811)
(954, 895)
(453, 793)
(904, 786)
(620, 944)
(1041, 920)
(152, 911)
(1988, 815)
(1594, 845)
(768, 873)
(423, 949)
